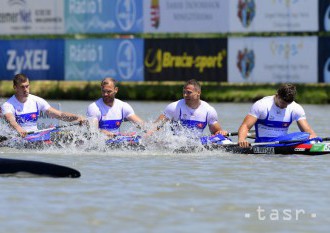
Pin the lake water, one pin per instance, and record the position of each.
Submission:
(159, 191)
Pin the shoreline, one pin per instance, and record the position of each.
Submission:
(169, 91)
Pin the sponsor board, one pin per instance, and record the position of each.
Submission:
(263, 150)
(324, 59)
(98, 58)
(103, 16)
(272, 60)
(185, 16)
(184, 59)
(324, 15)
(273, 15)
(38, 59)
(31, 17)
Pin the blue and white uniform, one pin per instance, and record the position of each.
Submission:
(109, 118)
(273, 121)
(194, 119)
(26, 113)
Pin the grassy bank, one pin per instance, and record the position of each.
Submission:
(213, 92)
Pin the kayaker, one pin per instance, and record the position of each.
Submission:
(191, 113)
(108, 112)
(272, 116)
(22, 110)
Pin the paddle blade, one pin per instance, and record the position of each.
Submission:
(12, 166)
(3, 138)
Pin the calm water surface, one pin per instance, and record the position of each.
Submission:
(158, 191)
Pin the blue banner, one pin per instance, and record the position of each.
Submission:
(95, 59)
(103, 16)
(324, 59)
(324, 15)
(38, 59)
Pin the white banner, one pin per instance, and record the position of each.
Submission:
(272, 60)
(273, 15)
(185, 16)
(31, 17)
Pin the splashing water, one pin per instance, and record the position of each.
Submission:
(80, 140)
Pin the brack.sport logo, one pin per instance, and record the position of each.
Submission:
(153, 61)
(245, 62)
(126, 14)
(155, 13)
(126, 59)
(246, 11)
(156, 60)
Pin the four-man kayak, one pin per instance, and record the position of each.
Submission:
(217, 142)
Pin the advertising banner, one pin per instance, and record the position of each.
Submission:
(324, 15)
(272, 60)
(185, 16)
(96, 59)
(103, 16)
(31, 17)
(324, 59)
(273, 15)
(38, 59)
(184, 59)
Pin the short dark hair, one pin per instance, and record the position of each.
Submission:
(287, 92)
(194, 83)
(106, 81)
(20, 78)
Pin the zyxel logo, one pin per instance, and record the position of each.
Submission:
(29, 60)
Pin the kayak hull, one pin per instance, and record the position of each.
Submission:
(303, 149)
(63, 138)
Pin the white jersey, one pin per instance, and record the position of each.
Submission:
(194, 119)
(26, 113)
(109, 118)
(272, 120)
